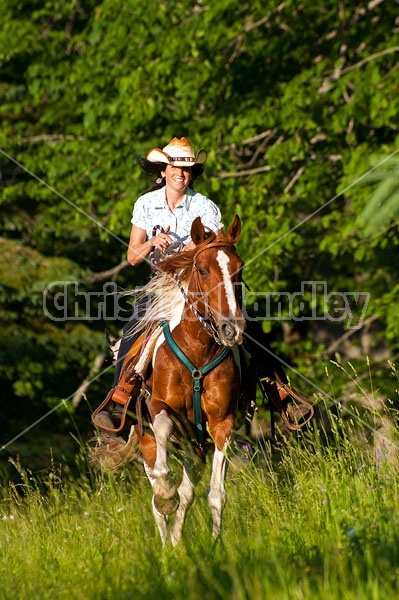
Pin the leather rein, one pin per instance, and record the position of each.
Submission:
(207, 322)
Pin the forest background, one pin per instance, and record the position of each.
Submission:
(297, 106)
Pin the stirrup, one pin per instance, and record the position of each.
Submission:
(119, 395)
(285, 392)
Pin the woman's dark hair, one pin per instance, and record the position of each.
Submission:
(154, 170)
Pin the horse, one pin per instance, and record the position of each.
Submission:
(195, 378)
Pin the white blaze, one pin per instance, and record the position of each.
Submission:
(223, 261)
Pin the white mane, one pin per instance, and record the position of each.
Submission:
(165, 302)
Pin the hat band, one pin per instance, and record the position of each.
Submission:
(181, 158)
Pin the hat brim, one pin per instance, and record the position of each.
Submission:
(157, 155)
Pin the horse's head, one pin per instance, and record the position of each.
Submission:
(216, 280)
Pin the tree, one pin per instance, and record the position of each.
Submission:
(291, 101)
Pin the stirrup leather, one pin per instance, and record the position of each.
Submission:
(121, 394)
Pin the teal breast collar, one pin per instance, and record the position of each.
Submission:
(197, 375)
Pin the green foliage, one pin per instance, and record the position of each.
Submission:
(291, 101)
(383, 205)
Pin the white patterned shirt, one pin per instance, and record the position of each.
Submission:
(152, 209)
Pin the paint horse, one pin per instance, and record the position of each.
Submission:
(195, 380)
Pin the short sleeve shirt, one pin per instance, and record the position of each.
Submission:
(152, 209)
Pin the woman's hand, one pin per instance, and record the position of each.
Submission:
(162, 240)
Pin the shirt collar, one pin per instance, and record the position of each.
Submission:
(185, 203)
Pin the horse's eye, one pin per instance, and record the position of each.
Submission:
(202, 272)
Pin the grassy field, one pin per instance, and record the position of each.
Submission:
(304, 519)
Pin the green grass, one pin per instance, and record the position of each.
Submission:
(306, 520)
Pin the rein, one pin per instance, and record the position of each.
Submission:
(206, 322)
(177, 247)
(197, 375)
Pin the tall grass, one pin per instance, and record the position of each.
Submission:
(314, 516)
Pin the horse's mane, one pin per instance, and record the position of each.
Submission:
(164, 298)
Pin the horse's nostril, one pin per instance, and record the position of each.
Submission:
(228, 331)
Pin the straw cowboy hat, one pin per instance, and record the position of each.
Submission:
(178, 153)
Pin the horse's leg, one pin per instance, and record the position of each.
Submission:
(186, 495)
(149, 452)
(217, 492)
(193, 470)
(160, 519)
(164, 489)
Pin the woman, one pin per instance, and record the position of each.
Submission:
(162, 218)
(171, 204)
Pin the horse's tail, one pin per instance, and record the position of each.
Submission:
(112, 453)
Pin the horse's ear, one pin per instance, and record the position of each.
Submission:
(197, 231)
(234, 231)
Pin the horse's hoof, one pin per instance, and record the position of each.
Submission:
(166, 506)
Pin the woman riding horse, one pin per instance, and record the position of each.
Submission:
(160, 217)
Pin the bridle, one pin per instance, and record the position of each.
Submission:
(208, 323)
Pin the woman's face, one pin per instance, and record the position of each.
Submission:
(177, 178)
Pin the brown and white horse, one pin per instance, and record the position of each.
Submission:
(209, 278)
